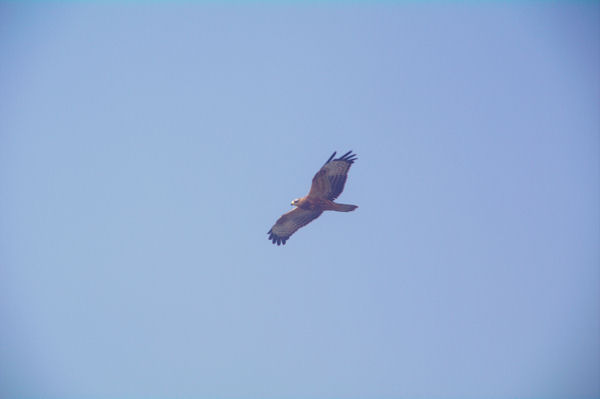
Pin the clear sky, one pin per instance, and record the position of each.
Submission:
(145, 151)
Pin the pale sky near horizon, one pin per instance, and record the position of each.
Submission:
(145, 151)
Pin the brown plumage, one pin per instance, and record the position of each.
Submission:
(327, 185)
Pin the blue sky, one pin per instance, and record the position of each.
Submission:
(145, 151)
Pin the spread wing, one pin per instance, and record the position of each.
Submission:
(289, 222)
(329, 182)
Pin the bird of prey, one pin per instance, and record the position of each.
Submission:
(326, 186)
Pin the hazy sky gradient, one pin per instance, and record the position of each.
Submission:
(145, 151)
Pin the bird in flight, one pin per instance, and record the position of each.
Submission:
(326, 186)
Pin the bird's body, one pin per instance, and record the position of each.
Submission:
(326, 186)
(313, 204)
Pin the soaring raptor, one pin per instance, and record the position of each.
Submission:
(327, 185)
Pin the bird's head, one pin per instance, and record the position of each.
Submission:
(296, 202)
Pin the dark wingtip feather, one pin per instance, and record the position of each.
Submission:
(346, 154)
(347, 157)
(331, 157)
(277, 239)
